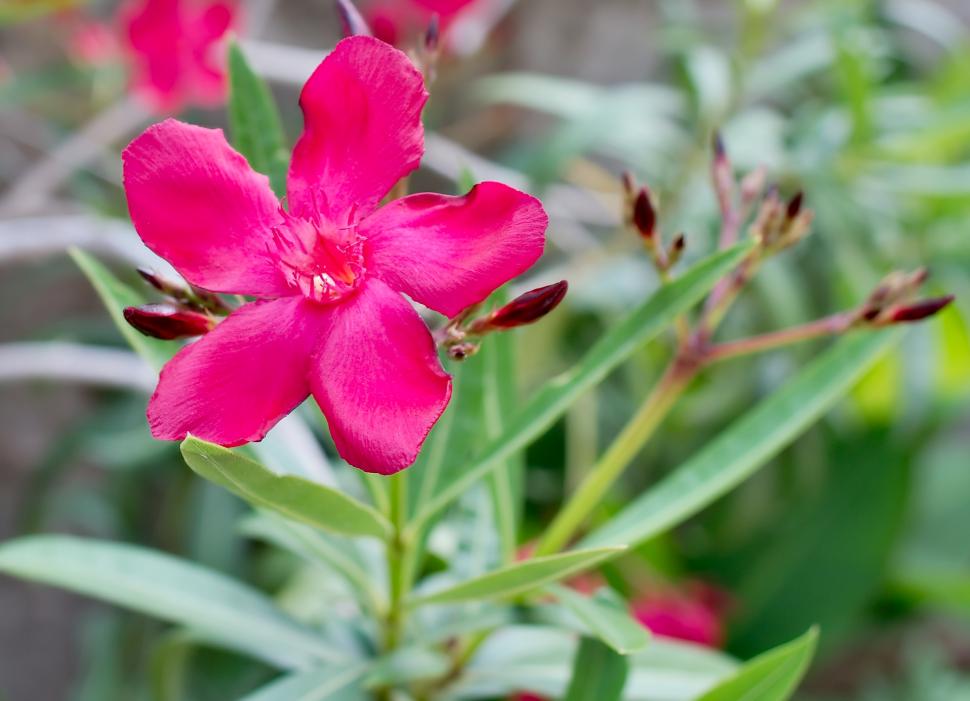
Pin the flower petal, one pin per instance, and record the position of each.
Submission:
(451, 252)
(152, 29)
(378, 379)
(197, 203)
(362, 129)
(235, 383)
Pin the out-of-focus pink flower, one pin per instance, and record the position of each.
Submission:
(694, 613)
(175, 49)
(329, 319)
(527, 696)
(398, 22)
(93, 43)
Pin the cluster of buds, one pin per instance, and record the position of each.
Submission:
(460, 336)
(893, 301)
(187, 311)
(779, 224)
(642, 218)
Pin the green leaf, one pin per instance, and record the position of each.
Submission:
(599, 673)
(257, 132)
(772, 676)
(520, 577)
(294, 497)
(538, 659)
(320, 684)
(748, 443)
(606, 621)
(408, 664)
(116, 296)
(220, 609)
(646, 322)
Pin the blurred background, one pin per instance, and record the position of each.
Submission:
(861, 526)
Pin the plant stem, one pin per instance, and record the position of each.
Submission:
(826, 326)
(623, 449)
(397, 561)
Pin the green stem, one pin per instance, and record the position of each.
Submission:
(398, 558)
(616, 458)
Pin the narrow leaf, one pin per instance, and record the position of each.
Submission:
(648, 320)
(221, 609)
(294, 497)
(748, 443)
(599, 673)
(520, 577)
(606, 621)
(257, 132)
(116, 296)
(320, 684)
(772, 676)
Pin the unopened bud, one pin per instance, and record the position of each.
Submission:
(676, 250)
(167, 321)
(163, 284)
(432, 36)
(527, 308)
(460, 351)
(722, 176)
(795, 205)
(644, 214)
(351, 21)
(629, 181)
(917, 311)
(752, 184)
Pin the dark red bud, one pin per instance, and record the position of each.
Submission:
(167, 321)
(918, 310)
(644, 215)
(679, 244)
(433, 34)
(795, 205)
(351, 21)
(527, 308)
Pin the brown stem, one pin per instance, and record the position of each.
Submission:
(826, 326)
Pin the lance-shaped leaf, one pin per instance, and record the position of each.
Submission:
(748, 443)
(771, 676)
(254, 121)
(293, 497)
(605, 620)
(615, 346)
(520, 577)
(328, 683)
(219, 609)
(116, 296)
(599, 673)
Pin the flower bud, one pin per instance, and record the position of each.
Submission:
(644, 214)
(917, 311)
(167, 321)
(525, 309)
(432, 36)
(795, 205)
(164, 285)
(675, 250)
(461, 351)
(351, 21)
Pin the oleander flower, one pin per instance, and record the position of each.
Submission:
(400, 21)
(175, 50)
(694, 613)
(328, 272)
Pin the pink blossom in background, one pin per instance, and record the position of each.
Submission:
(176, 50)
(330, 319)
(694, 614)
(400, 22)
(92, 43)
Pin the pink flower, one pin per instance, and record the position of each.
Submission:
(330, 319)
(175, 47)
(401, 21)
(694, 614)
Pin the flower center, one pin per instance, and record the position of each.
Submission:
(322, 261)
